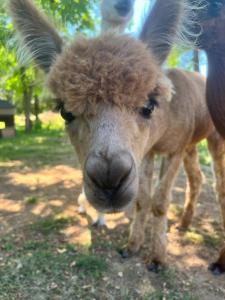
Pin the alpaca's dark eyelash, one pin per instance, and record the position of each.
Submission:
(147, 110)
(67, 116)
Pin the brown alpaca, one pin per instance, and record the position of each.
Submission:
(121, 109)
(212, 41)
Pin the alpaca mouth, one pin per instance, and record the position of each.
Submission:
(112, 201)
(123, 10)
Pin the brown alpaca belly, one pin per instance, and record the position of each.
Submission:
(203, 129)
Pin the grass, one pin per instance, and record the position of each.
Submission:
(37, 271)
(171, 294)
(45, 145)
(50, 225)
(31, 200)
(171, 289)
(192, 237)
(38, 147)
(201, 238)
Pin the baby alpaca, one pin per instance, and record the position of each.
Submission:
(116, 14)
(123, 109)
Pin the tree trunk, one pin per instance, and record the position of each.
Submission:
(36, 108)
(196, 60)
(27, 96)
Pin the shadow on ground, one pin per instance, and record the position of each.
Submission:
(39, 219)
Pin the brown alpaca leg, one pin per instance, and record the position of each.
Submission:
(216, 147)
(193, 171)
(219, 266)
(141, 210)
(160, 205)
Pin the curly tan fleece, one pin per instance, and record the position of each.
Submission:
(110, 68)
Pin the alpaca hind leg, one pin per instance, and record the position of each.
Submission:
(216, 147)
(218, 267)
(194, 184)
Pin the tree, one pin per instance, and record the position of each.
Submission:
(196, 61)
(20, 84)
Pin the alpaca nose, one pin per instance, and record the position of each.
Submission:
(109, 172)
(123, 7)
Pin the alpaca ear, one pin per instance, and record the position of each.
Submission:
(162, 26)
(35, 32)
(165, 88)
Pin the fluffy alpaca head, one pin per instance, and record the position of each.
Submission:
(112, 69)
(113, 94)
(116, 14)
(111, 84)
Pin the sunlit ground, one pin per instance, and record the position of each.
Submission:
(40, 182)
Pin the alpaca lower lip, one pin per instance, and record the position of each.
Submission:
(112, 203)
(123, 11)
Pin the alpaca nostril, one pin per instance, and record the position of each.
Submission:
(123, 7)
(96, 168)
(109, 173)
(119, 169)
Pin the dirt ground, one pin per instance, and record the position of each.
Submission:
(57, 187)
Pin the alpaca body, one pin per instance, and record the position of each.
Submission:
(186, 122)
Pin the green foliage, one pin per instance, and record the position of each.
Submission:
(181, 57)
(17, 82)
(204, 157)
(193, 236)
(174, 57)
(71, 12)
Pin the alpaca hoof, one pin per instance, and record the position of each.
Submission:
(154, 267)
(125, 253)
(181, 228)
(99, 222)
(216, 269)
(81, 210)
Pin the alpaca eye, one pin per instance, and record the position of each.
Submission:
(147, 110)
(67, 116)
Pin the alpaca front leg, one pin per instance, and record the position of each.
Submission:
(160, 205)
(141, 209)
(82, 200)
(100, 220)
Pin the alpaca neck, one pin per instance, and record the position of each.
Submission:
(110, 26)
